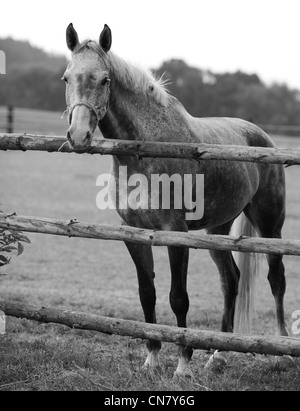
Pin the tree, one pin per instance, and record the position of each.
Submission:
(239, 94)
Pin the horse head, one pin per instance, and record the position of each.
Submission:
(87, 86)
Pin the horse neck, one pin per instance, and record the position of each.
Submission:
(131, 115)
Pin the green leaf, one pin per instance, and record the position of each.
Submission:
(21, 237)
(25, 239)
(15, 235)
(8, 248)
(20, 249)
(3, 260)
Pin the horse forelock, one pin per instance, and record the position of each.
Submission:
(94, 47)
(131, 76)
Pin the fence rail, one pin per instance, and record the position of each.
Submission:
(75, 228)
(288, 130)
(191, 151)
(204, 340)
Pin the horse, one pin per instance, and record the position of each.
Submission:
(128, 102)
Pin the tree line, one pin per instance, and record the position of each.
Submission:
(33, 81)
(238, 94)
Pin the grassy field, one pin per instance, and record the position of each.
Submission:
(99, 277)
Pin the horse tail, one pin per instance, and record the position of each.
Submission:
(248, 264)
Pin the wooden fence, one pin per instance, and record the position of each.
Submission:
(198, 339)
(73, 228)
(196, 152)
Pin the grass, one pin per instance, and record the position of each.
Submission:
(99, 277)
(53, 360)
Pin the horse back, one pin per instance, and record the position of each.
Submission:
(229, 131)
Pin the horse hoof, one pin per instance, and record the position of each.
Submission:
(217, 363)
(152, 362)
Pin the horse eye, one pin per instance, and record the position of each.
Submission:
(65, 79)
(105, 81)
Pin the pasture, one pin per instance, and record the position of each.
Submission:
(99, 277)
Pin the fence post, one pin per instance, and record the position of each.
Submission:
(10, 119)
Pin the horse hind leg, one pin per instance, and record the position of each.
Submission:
(143, 258)
(229, 275)
(277, 282)
(268, 217)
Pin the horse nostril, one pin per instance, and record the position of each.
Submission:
(88, 137)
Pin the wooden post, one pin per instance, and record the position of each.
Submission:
(10, 119)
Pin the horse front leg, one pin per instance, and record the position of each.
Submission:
(179, 300)
(142, 257)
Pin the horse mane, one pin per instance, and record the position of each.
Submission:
(131, 76)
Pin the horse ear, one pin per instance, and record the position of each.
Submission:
(72, 37)
(105, 38)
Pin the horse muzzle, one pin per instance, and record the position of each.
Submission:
(79, 141)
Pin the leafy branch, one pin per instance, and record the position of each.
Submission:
(10, 241)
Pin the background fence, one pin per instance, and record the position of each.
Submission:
(7, 119)
(17, 120)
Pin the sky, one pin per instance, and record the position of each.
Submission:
(255, 36)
